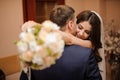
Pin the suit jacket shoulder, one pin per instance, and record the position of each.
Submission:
(78, 50)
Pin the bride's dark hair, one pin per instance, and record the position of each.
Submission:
(95, 35)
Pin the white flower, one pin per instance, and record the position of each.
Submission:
(56, 42)
(22, 35)
(37, 59)
(28, 25)
(22, 47)
(50, 38)
(49, 60)
(30, 30)
(49, 26)
(43, 34)
(26, 56)
(33, 46)
(27, 36)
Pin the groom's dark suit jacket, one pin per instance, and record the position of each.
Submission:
(76, 63)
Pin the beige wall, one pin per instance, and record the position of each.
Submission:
(80, 5)
(11, 19)
(113, 12)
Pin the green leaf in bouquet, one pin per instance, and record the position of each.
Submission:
(15, 42)
(39, 41)
(49, 51)
(34, 65)
(37, 29)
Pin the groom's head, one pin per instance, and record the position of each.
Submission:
(64, 17)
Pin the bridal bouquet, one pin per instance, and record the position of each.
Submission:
(40, 45)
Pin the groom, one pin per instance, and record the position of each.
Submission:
(76, 63)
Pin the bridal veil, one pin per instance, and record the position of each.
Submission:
(101, 64)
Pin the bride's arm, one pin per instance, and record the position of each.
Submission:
(70, 39)
(81, 42)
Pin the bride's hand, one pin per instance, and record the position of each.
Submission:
(67, 37)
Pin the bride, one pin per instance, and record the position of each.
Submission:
(89, 34)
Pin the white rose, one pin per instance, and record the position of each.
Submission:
(26, 56)
(28, 25)
(43, 34)
(22, 35)
(55, 43)
(33, 46)
(22, 46)
(48, 26)
(37, 59)
(27, 36)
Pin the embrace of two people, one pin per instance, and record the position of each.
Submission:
(81, 53)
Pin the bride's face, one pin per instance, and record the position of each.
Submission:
(84, 29)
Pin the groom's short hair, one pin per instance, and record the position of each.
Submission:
(61, 14)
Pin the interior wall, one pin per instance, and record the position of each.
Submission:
(80, 5)
(103, 9)
(11, 18)
(92, 5)
(113, 13)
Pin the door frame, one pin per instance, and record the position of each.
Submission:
(29, 8)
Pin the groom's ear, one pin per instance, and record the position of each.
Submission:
(70, 25)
